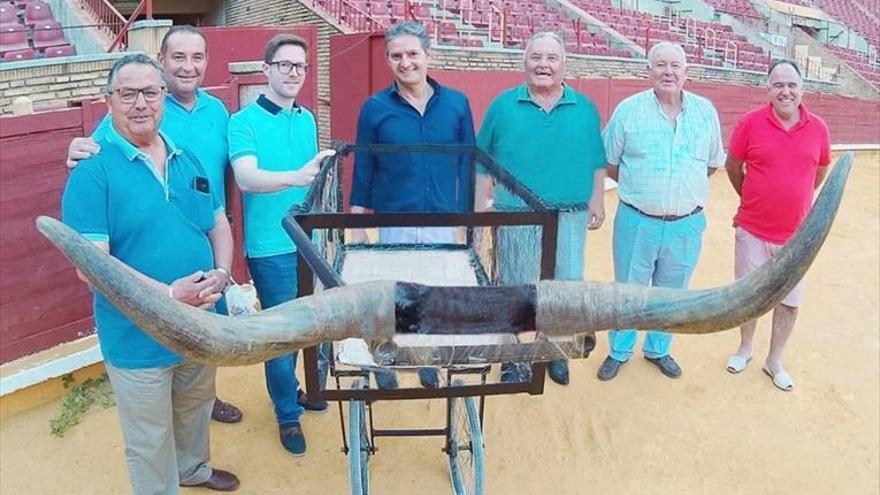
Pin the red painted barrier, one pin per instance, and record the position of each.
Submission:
(41, 301)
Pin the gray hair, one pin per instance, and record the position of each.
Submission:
(416, 29)
(666, 45)
(546, 34)
(133, 58)
(784, 61)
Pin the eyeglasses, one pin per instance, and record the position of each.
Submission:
(285, 67)
(130, 95)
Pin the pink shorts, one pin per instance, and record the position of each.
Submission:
(752, 252)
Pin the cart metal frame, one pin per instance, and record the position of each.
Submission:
(301, 222)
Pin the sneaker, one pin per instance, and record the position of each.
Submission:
(429, 378)
(667, 365)
(557, 370)
(315, 406)
(516, 373)
(609, 368)
(293, 439)
(386, 380)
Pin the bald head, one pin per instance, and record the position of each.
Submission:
(785, 88)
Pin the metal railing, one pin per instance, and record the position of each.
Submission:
(111, 22)
(348, 14)
(107, 18)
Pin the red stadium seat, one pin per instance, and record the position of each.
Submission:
(13, 38)
(60, 51)
(25, 54)
(8, 14)
(37, 11)
(48, 34)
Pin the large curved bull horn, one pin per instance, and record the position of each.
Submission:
(590, 306)
(366, 311)
(374, 311)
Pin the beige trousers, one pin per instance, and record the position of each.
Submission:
(165, 415)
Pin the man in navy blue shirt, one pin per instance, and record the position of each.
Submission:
(415, 109)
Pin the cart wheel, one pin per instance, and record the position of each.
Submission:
(359, 446)
(465, 448)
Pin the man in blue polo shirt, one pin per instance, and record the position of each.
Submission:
(195, 120)
(415, 109)
(169, 237)
(273, 148)
(547, 135)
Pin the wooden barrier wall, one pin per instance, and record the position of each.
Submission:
(43, 304)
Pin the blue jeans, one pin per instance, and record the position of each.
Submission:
(276, 283)
(275, 278)
(649, 251)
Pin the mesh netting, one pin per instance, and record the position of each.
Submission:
(450, 247)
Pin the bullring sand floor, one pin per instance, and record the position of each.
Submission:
(709, 432)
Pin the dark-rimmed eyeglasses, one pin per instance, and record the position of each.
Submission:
(129, 95)
(285, 67)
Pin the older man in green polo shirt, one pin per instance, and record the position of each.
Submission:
(547, 135)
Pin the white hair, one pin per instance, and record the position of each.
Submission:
(666, 45)
(546, 34)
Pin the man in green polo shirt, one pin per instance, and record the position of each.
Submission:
(547, 135)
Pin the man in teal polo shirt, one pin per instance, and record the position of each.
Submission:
(195, 120)
(547, 135)
(273, 146)
(170, 237)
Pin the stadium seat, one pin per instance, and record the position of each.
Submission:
(59, 51)
(13, 38)
(37, 11)
(24, 54)
(48, 34)
(8, 14)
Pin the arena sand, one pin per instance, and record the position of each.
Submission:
(709, 432)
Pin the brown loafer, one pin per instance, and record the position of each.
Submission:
(225, 412)
(221, 481)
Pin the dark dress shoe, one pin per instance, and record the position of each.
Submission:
(609, 368)
(516, 372)
(386, 380)
(293, 439)
(225, 412)
(667, 365)
(314, 406)
(557, 370)
(429, 378)
(221, 481)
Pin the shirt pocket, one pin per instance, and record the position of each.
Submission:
(198, 207)
(700, 149)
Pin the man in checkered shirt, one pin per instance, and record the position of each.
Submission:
(661, 144)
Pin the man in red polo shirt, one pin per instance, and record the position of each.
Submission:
(778, 155)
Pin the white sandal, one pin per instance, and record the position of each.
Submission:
(782, 380)
(736, 363)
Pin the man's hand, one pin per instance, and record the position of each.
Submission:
(596, 212)
(199, 289)
(222, 276)
(305, 175)
(80, 149)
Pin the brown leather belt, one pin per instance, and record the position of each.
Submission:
(665, 218)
